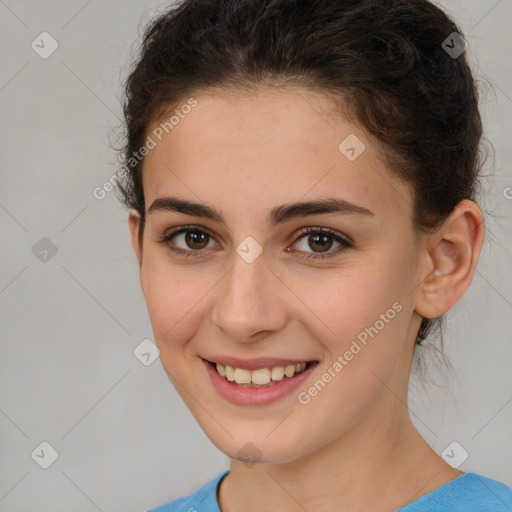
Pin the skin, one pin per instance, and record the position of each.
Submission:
(353, 446)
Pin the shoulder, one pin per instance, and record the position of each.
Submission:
(470, 492)
(495, 495)
(203, 500)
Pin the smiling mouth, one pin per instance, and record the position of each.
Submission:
(261, 377)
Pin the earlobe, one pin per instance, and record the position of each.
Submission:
(452, 257)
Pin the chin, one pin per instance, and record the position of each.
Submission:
(259, 449)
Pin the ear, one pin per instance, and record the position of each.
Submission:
(134, 225)
(452, 256)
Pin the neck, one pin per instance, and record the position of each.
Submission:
(379, 466)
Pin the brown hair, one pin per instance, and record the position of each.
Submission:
(383, 60)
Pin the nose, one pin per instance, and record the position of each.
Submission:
(248, 306)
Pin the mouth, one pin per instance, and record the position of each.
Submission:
(263, 377)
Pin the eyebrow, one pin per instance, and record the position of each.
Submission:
(277, 215)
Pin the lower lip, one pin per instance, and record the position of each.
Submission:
(240, 395)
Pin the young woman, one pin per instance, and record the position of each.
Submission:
(301, 178)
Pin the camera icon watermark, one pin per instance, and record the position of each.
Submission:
(454, 45)
(455, 454)
(249, 454)
(352, 147)
(44, 455)
(146, 352)
(249, 249)
(44, 45)
(44, 250)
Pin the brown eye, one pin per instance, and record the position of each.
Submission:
(320, 240)
(196, 239)
(188, 240)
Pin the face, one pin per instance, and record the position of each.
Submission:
(333, 287)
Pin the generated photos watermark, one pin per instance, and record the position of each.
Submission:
(304, 397)
(151, 142)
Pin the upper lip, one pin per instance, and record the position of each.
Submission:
(253, 364)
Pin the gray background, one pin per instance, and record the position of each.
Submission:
(70, 324)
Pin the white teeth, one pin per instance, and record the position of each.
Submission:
(230, 373)
(221, 369)
(259, 377)
(242, 376)
(289, 371)
(277, 373)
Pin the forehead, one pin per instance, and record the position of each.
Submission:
(267, 147)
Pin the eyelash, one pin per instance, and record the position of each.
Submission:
(345, 244)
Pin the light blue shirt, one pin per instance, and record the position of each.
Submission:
(469, 492)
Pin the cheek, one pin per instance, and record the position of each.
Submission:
(173, 298)
(369, 321)
(364, 317)
(349, 303)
